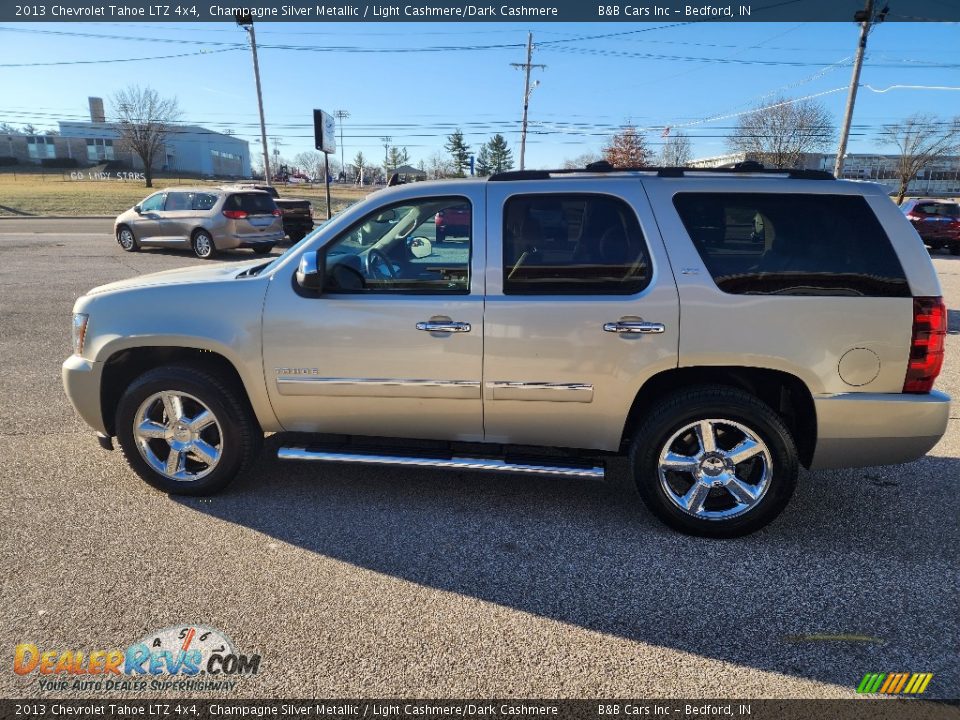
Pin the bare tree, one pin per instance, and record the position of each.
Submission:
(581, 161)
(439, 166)
(922, 140)
(780, 134)
(144, 120)
(627, 148)
(676, 151)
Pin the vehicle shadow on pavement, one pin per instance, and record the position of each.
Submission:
(858, 574)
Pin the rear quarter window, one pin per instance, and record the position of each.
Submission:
(251, 203)
(792, 244)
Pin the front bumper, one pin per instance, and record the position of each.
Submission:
(863, 429)
(81, 381)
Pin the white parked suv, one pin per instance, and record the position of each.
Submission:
(719, 328)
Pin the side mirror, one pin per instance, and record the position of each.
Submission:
(311, 271)
(136, 209)
(419, 247)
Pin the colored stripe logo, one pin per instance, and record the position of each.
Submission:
(895, 683)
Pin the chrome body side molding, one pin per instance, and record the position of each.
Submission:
(378, 387)
(542, 391)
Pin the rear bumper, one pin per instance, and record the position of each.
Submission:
(863, 429)
(81, 381)
(229, 242)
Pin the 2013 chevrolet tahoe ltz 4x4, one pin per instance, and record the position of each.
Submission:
(718, 328)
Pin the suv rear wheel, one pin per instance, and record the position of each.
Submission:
(185, 431)
(714, 461)
(203, 245)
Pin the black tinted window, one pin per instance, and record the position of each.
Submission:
(204, 201)
(251, 203)
(787, 244)
(572, 244)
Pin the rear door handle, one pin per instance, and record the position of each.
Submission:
(450, 326)
(634, 327)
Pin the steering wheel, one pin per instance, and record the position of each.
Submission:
(373, 260)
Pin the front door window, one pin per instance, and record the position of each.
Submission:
(397, 250)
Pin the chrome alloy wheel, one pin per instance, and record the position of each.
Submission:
(203, 245)
(715, 469)
(178, 436)
(126, 239)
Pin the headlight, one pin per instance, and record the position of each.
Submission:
(79, 331)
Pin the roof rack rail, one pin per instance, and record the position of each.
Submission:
(745, 168)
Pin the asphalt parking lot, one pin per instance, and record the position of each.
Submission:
(360, 582)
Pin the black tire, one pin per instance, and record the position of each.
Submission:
(262, 249)
(239, 433)
(296, 237)
(686, 407)
(441, 235)
(126, 239)
(955, 249)
(203, 246)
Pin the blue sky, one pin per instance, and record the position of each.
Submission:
(679, 76)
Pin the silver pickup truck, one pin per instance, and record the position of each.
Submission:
(717, 328)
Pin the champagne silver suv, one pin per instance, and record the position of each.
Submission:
(718, 329)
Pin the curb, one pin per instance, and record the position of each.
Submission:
(57, 217)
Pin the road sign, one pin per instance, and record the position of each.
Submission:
(324, 131)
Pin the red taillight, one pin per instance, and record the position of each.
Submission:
(926, 344)
(278, 212)
(235, 214)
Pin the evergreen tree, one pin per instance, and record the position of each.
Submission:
(396, 157)
(459, 153)
(484, 165)
(501, 156)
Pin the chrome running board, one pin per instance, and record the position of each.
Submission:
(453, 463)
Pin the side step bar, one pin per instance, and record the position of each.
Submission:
(453, 463)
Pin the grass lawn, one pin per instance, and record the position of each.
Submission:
(34, 193)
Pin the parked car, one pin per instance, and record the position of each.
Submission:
(297, 213)
(207, 220)
(937, 222)
(452, 222)
(718, 329)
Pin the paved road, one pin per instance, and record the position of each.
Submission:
(372, 582)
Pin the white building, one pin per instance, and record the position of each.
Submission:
(942, 178)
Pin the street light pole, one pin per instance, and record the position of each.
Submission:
(245, 20)
(342, 115)
(527, 67)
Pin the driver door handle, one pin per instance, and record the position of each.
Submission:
(450, 326)
(630, 327)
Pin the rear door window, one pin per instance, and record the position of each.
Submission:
(204, 201)
(792, 244)
(572, 244)
(251, 203)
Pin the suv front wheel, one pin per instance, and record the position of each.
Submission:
(714, 461)
(185, 431)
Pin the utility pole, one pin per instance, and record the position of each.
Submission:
(527, 67)
(865, 17)
(245, 20)
(342, 115)
(386, 157)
